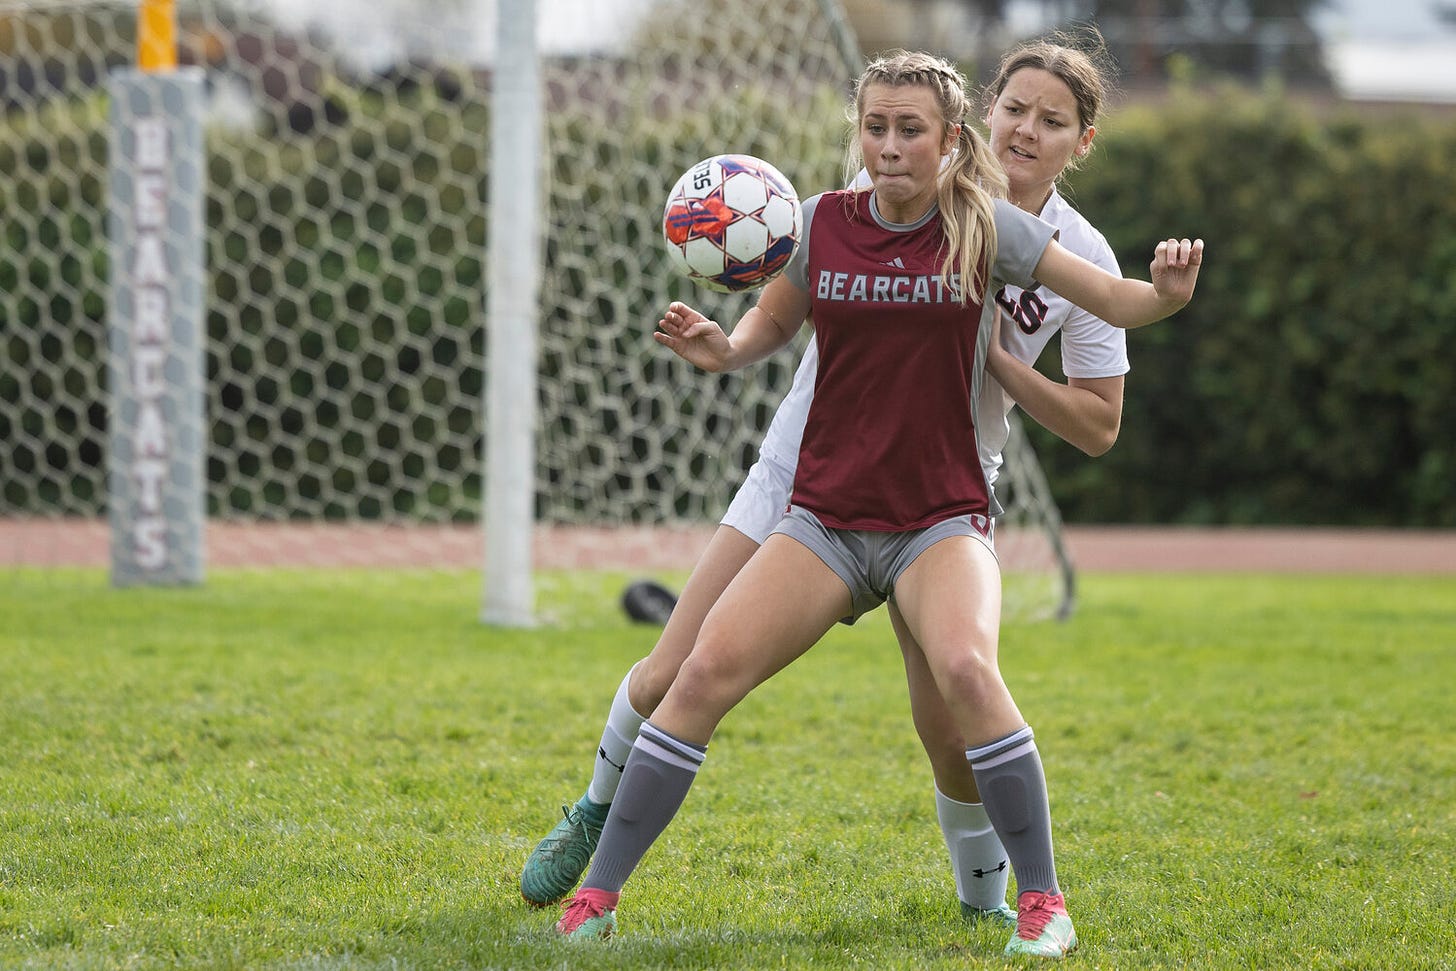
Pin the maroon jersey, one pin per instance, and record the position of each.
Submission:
(890, 441)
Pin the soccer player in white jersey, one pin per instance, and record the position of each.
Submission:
(1056, 127)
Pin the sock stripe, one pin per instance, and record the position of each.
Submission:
(672, 750)
(1003, 757)
(1003, 750)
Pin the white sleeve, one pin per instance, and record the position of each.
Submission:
(1091, 347)
(786, 431)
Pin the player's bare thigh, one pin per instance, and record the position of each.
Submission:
(724, 556)
(950, 599)
(780, 604)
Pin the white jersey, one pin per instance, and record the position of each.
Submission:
(1091, 347)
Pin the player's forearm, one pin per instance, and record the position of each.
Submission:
(1077, 415)
(1135, 303)
(756, 336)
(1119, 301)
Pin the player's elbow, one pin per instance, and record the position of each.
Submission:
(1099, 440)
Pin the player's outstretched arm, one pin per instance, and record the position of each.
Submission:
(1121, 302)
(764, 329)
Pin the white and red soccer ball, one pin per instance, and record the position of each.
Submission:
(732, 222)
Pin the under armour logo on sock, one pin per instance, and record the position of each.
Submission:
(603, 754)
(978, 873)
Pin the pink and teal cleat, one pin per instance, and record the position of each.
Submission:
(1043, 928)
(589, 913)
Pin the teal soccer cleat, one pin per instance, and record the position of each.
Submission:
(559, 860)
(999, 915)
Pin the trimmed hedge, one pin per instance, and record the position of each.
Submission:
(1312, 380)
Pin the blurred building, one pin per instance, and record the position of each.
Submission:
(1362, 50)
(1391, 50)
(1373, 50)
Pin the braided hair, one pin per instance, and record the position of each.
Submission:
(967, 184)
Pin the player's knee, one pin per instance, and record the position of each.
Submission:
(701, 679)
(971, 676)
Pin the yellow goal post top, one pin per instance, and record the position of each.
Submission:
(157, 35)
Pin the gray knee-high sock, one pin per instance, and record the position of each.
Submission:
(655, 782)
(1013, 789)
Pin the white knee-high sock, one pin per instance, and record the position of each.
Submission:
(977, 857)
(618, 734)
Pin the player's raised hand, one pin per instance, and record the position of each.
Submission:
(693, 337)
(1175, 268)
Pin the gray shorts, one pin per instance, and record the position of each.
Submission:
(870, 562)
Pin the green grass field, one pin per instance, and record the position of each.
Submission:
(345, 770)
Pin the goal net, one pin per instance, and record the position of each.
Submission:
(346, 215)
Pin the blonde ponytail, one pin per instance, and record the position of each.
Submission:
(969, 182)
(965, 194)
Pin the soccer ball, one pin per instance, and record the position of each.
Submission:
(732, 222)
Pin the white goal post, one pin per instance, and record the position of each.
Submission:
(507, 592)
(347, 220)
